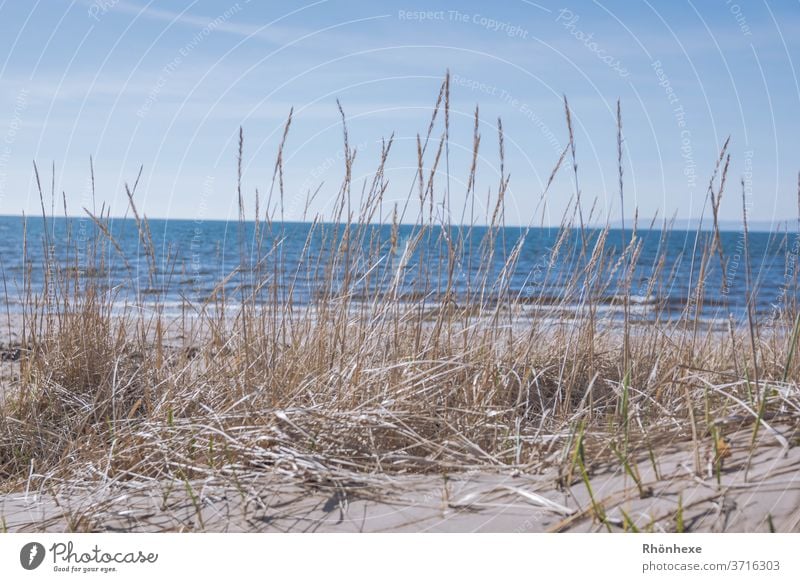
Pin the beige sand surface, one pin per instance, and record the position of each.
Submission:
(766, 496)
(756, 492)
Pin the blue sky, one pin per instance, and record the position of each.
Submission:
(167, 85)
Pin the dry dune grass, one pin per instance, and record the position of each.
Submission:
(353, 387)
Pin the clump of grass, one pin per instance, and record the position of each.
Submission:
(409, 356)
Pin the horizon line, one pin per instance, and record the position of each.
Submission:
(679, 224)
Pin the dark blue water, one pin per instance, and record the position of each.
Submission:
(202, 262)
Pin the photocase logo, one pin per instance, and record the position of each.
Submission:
(31, 555)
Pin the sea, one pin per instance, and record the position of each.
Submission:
(203, 262)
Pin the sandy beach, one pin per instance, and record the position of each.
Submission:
(764, 497)
(755, 487)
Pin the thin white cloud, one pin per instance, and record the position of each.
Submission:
(224, 21)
